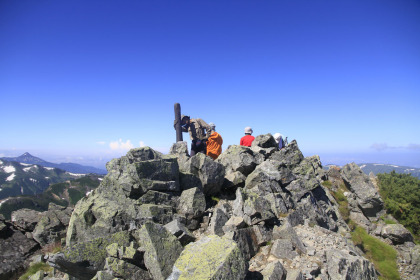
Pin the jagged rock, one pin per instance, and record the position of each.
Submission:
(342, 265)
(161, 214)
(290, 156)
(161, 249)
(237, 159)
(283, 249)
(125, 270)
(211, 173)
(192, 203)
(287, 232)
(189, 181)
(84, 259)
(211, 257)
(25, 219)
(3, 225)
(39, 275)
(263, 234)
(234, 223)
(52, 224)
(183, 235)
(100, 214)
(218, 220)
(397, 233)
(180, 150)
(252, 206)
(265, 141)
(367, 196)
(117, 203)
(103, 275)
(269, 176)
(261, 154)
(158, 198)
(415, 261)
(15, 250)
(247, 242)
(234, 180)
(274, 271)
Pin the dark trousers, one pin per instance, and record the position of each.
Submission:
(198, 146)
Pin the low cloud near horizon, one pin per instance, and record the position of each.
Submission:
(120, 145)
(385, 146)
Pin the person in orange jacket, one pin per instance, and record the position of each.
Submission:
(214, 143)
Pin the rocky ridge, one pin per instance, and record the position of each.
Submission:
(254, 213)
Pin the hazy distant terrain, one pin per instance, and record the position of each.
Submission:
(70, 167)
(28, 179)
(66, 194)
(376, 168)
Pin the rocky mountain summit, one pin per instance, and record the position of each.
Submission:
(254, 213)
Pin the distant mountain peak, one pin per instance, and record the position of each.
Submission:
(28, 158)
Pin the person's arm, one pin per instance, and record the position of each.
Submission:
(206, 127)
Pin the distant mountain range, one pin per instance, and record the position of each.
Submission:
(66, 194)
(70, 167)
(376, 168)
(28, 179)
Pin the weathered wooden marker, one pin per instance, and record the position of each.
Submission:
(177, 109)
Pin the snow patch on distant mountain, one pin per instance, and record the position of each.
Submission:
(11, 177)
(9, 169)
(75, 174)
(49, 168)
(25, 164)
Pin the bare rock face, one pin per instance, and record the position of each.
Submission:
(25, 219)
(124, 200)
(254, 213)
(367, 197)
(161, 249)
(342, 265)
(397, 234)
(52, 224)
(211, 257)
(211, 173)
(15, 250)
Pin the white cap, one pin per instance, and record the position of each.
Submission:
(248, 129)
(277, 137)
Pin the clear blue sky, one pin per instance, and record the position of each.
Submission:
(82, 81)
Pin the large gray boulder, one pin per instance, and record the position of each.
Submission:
(84, 259)
(252, 206)
(237, 158)
(274, 271)
(290, 156)
(25, 219)
(192, 203)
(343, 265)
(211, 257)
(52, 224)
(136, 189)
(161, 249)
(264, 141)
(397, 233)
(367, 196)
(210, 172)
(15, 250)
(179, 230)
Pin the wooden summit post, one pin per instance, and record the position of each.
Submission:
(177, 109)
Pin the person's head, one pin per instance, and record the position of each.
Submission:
(248, 130)
(212, 126)
(277, 137)
(185, 120)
